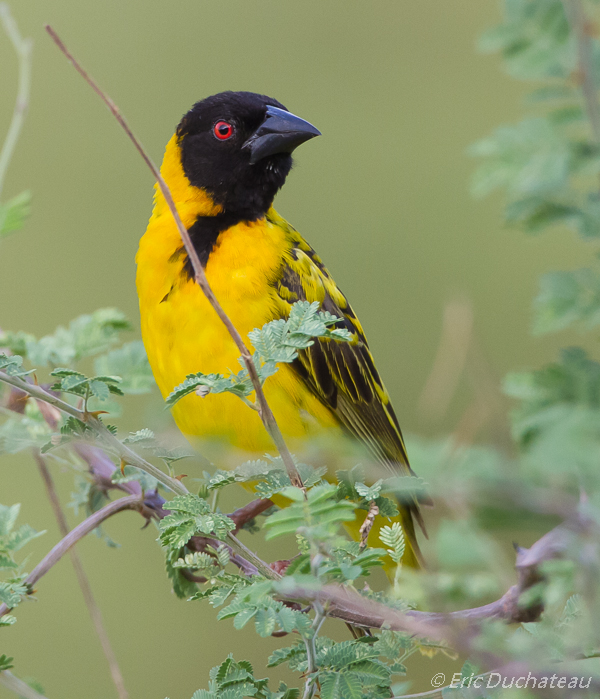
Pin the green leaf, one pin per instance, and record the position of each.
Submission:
(339, 685)
(11, 593)
(265, 622)
(243, 617)
(320, 513)
(369, 492)
(5, 662)
(203, 694)
(190, 515)
(182, 587)
(393, 538)
(296, 653)
(531, 158)
(280, 340)
(146, 440)
(143, 438)
(86, 335)
(534, 40)
(12, 365)
(238, 384)
(566, 298)
(538, 212)
(8, 518)
(131, 363)
(14, 213)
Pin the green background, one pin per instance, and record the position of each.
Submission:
(398, 91)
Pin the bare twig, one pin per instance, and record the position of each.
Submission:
(580, 27)
(83, 580)
(131, 502)
(23, 49)
(265, 411)
(22, 689)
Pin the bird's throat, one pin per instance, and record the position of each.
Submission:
(204, 219)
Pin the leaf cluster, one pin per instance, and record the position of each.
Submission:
(191, 515)
(235, 680)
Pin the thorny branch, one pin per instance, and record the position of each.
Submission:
(265, 411)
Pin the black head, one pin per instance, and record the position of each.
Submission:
(237, 145)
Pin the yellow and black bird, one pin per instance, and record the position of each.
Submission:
(229, 157)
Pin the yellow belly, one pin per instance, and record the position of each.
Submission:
(183, 334)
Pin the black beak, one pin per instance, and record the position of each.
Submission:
(280, 132)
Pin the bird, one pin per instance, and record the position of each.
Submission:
(226, 161)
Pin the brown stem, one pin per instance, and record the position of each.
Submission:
(83, 580)
(264, 410)
(132, 502)
(245, 514)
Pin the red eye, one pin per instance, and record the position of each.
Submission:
(223, 130)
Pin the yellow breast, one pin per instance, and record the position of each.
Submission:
(183, 334)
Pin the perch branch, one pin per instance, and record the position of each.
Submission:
(265, 411)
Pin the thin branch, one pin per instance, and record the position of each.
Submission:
(265, 411)
(454, 627)
(131, 502)
(95, 424)
(22, 689)
(83, 580)
(23, 49)
(580, 27)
